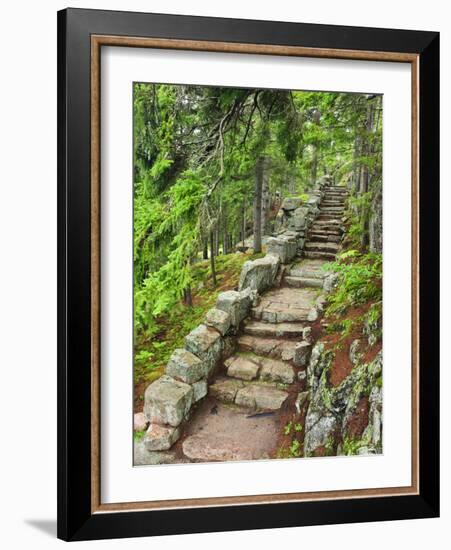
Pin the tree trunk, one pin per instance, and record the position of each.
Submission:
(217, 240)
(243, 222)
(365, 179)
(205, 251)
(314, 166)
(225, 236)
(258, 205)
(188, 297)
(291, 182)
(314, 172)
(265, 197)
(212, 257)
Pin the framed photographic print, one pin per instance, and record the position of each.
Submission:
(248, 274)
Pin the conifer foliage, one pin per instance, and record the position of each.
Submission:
(212, 164)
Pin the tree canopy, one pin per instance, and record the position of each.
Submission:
(198, 152)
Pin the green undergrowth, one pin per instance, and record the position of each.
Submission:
(359, 280)
(359, 286)
(154, 347)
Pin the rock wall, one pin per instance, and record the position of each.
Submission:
(343, 419)
(295, 217)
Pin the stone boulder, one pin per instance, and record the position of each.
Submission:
(314, 201)
(167, 401)
(259, 274)
(355, 353)
(298, 219)
(143, 457)
(302, 354)
(225, 390)
(200, 390)
(283, 246)
(291, 203)
(236, 304)
(206, 343)
(140, 422)
(160, 438)
(330, 282)
(320, 430)
(218, 319)
(185, 366)
(260, 397)
(276, 371)
(242, 368)
(301, 400)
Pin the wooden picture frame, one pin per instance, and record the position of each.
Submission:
(81, 35)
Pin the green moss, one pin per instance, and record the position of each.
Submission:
(329, 446)
(138, 435)
(351, 446)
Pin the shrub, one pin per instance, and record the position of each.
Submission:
(360, 280)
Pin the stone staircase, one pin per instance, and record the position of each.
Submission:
(274, 345)
(325, 233)
(273, 341)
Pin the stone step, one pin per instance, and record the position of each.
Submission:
(268, 347)
(250, 366)
(274, 330)
(335, 197)
(334, 218)
(335, 189)
(281, 314)
(253, 396)
(326, 229)
(324, 237)
(321, 246)
(311, 269)
(319, 255)
(284, 304)
(331, 210)
(303, 282)
(335, 223)
(332, 204)
(242, 367)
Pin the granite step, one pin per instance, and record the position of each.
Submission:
(285, 304)
(310, 254)
(335, 189)
(282, 314)
(324, 237)
(274, 330)
(311, 269)
(326, 218)
(249, 367)
(303, 282)
(268, 347)
(252, 396)
(326, 229)
(322, 246)
(332, 204)
(318, 222)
